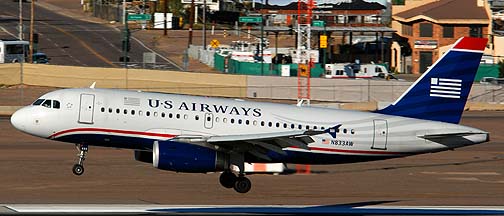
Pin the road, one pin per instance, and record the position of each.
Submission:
(35, 170)
(68, 41)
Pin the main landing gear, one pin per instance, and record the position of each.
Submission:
(78, 168)
(240, 183)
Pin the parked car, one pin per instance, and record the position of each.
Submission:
(492, 80)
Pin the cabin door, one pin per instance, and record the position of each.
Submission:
(86, 108)
(380, 134)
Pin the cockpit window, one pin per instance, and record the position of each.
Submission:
(47, 103)
(38, 102)
(56, 104)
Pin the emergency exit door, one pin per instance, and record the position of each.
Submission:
(86, 108)
(380, 134)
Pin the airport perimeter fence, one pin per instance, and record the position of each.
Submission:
(232, 86)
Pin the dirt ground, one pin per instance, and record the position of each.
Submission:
(35, 170)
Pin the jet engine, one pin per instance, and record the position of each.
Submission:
(183, 157)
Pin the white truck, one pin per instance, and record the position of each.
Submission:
(354, 70)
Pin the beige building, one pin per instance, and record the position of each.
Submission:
(431, 26)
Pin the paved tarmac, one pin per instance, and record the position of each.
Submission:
(34, 170)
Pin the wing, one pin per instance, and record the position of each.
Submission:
(259, 144)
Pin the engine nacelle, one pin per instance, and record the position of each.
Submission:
(143, 156)
(183, 157)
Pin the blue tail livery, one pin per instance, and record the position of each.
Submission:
(440, 93)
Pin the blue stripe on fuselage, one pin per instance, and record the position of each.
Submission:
(299, 157)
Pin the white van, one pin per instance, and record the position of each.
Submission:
(13, 51)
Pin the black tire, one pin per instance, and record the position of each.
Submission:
(242, 185)
(227, 179)
(78, 169)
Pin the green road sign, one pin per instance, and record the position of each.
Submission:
(319, 23)
(134, 17)
(250, 19)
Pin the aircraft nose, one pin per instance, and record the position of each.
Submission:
(18, 120)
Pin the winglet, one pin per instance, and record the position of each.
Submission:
(92, 86)
(333, 130)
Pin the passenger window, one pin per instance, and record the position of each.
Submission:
(285, 125)
(344, 130)
(38, 102)
(147, 113)
(270, 124)
(170, 115)
(300, 127)
(155, 114)
(110, 110)
(232, 121)
(352, 131)
(125, 111)
(163, 115)
(216, 119)
(178, 116)
(277, 124)
(132, 112)
(254, 123)
(140, 113)
(118, 111)
(247, 122)
(292, 126)
(239, 121)
(262, 123)
(47, 103)
(322, 128)
(103, 109)
(314, 127)
(196, 117)
(224, 120)
(56, 104)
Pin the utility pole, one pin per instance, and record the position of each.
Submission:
(191, 23)
(20, 20)
(22, 58)
(204, 24)
(165, 23)
(32, 17)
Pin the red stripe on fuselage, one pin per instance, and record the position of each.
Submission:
(355, 151)
(111, 131)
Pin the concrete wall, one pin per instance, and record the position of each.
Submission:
(152, 80)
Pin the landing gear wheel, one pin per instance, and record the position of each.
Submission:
(242, 185)
(78, 169)
(227, 179)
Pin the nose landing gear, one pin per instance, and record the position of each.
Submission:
(78, 168)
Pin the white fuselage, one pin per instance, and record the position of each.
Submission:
(131, 119)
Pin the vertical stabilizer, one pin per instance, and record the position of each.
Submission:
(441, 92)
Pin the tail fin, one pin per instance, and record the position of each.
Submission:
(440, 93)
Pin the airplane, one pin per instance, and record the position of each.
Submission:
(198, 134)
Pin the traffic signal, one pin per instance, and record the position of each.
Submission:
(35, 38)
(126, 45)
